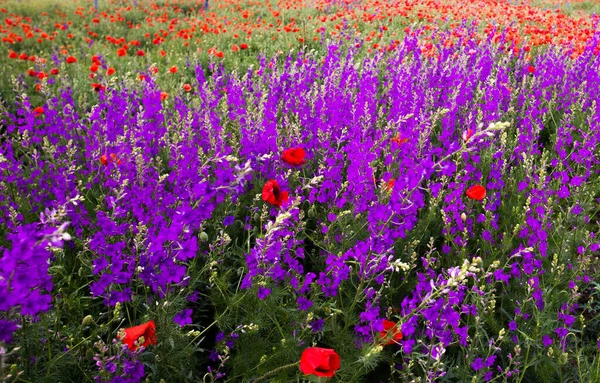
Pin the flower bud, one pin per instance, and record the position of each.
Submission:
(463, 216)
(203, 237)
(88, 320)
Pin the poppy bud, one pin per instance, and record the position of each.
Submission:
(88, 320)
(463, 216)
(203, 237)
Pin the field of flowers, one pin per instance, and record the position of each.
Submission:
(299, 191)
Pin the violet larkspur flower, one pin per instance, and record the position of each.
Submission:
(228, 220)
(7, 328)
(303, 303)
(317, 325)
(477, 364)
(263, 292)
(184, 317)
(546, 341)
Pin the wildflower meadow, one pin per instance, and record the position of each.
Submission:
(299, 191)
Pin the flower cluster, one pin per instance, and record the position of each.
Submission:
(400, 228)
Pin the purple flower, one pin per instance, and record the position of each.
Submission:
(546, 341)
(477, 364)
(7, 328)
(214, 355)
(512, 325)
(317, 325)
(303, 303)
(561, 332)
(228, 220)
(488, 376)
(184, 317)
(263, 292)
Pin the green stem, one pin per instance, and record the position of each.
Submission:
(354, 302)
(525, 366)
(273, 372)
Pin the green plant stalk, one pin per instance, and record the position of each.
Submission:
(273, 372)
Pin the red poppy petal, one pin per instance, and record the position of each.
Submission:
(334, 361)
(267, 191)
(310, 360)
(284, 197)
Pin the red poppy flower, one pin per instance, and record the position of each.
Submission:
(243, 46)
(476, 192)
(39, 110)
(531, 69)
(54, 71)
(110, 71)
(467, 134)
(31, 72)
(42, 75)
(105, 160)
(121, 52)
(187, 87)
(272, 194)
(13, 55)
(319, 361)
(235, 48)
(294, 156)
(390, 184)
(220, 55)
(71, 60)
(391, 333)
(23, 56)
(141, 53)
(131, 336)
(173, 69)
(163, 96)
(98, 87)
(399, 140)
(94, 67)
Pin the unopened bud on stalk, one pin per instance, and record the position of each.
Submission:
(87, 320)
(203, 237)
(463, 216)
